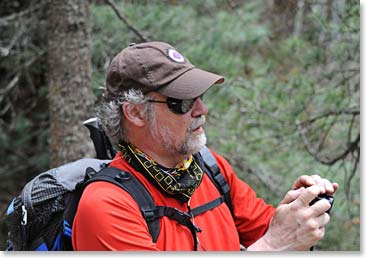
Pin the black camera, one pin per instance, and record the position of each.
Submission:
(329, 198)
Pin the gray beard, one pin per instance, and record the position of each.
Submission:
(190, 145)
(193, 144)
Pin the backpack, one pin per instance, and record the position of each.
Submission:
(41, 217)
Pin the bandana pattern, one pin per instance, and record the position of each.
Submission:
(179, 182)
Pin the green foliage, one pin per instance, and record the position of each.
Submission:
(288, 102)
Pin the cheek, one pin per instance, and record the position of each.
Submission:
(181, 124)
(178, 124)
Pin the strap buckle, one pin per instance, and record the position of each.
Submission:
(181, 217)
(148, 214)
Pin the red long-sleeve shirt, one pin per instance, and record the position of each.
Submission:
(108, 218)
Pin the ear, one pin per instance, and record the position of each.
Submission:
(134, 113)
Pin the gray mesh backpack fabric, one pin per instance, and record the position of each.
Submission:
(35, 217)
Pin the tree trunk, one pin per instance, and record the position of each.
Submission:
(71, 98)
(283, 17)
(298, 20)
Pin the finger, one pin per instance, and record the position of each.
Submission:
(291, 195)
(313, 233)
(316, 223)
(317, 178)
(319, 234)
(316, 227)
(303, 181)
(307, 196)
(336, 186)
(324, 183)
(322, 220)
(329, 187)
(320, 207)
(321, 182)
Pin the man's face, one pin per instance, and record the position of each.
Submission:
(181, 134)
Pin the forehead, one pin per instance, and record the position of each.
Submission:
(155, 94)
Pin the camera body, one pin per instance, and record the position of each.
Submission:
(329, 198)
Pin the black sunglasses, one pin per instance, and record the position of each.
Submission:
(178, 106)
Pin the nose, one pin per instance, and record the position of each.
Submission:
(199, 108)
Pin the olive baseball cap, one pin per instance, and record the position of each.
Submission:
(157, 66)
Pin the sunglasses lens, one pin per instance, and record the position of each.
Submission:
(187, 104)
(180, 106)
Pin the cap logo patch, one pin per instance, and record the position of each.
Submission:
(174, 55)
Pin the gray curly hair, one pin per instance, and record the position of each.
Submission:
(111, 117)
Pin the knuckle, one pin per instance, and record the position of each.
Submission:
(319, 234)
(312, 225)
(323, 205)
(284, 208)
(312, 190)
(293, 208)
(328, 205)
(303, 176)
(315, 176)
(288, 195)
(304, 217)
(327, 218)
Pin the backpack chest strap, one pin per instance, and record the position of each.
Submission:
(184, 218)
(207, 206)
(181, 217)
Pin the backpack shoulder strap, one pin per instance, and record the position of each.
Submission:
(216, 176)
(130, 184)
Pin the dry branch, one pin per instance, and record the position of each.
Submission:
(332, 113)
(351, 147)
(124, 19)
(5, 20)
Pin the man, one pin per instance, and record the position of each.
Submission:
(154, 113)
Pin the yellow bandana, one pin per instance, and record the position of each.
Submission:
(180, 182)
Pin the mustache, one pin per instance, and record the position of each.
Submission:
(200, 121)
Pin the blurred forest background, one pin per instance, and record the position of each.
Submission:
(290, 104)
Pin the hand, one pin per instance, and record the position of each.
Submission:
(296, 225)
(306, 181)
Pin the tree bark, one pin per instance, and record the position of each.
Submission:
(71, 97)
(282, 18)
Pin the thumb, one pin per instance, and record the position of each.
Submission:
(291, 195)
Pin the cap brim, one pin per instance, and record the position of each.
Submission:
(190, 84)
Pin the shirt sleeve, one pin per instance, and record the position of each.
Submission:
(251, 214)
(108, 218)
